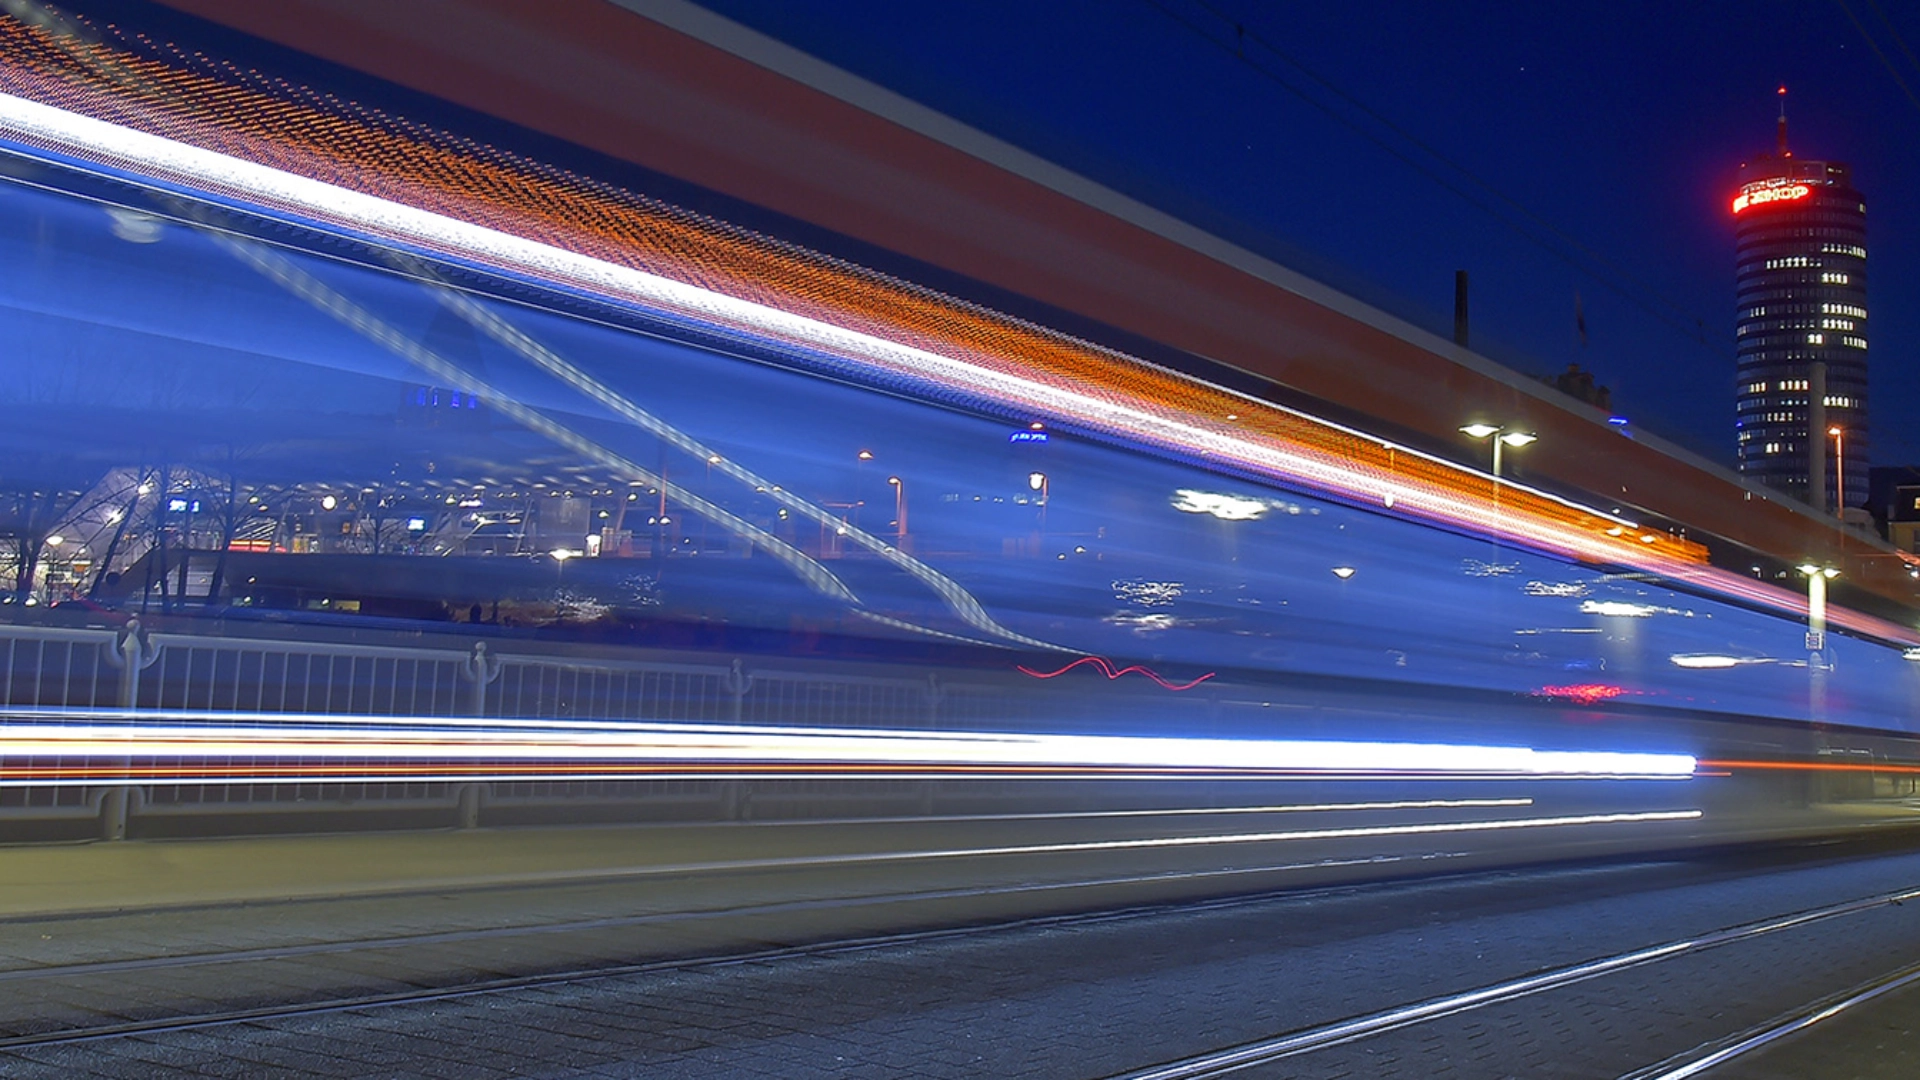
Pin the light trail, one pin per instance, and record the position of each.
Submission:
(164, 749)
(1815, 766)
(1434, 490)
(1211, 811)
(1294, 835)
(344, 172)
(1107, 668)
(1443, 494)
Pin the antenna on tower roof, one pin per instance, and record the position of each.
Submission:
(1780, 139)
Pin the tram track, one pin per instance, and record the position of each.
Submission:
(1286, 1045)
(843, 945)
(1219, 1062)
(1798, 1021)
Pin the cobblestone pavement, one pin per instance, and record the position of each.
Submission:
(1101, 997)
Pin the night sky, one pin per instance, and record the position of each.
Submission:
(1549, 149)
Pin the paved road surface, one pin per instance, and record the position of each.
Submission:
(1048, 997)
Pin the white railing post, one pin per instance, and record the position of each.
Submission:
(936, 694)
(738, 683)
(130, 652)
(480, 670)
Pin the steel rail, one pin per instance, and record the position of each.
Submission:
(1713, 1054)
(68, 972)
(1247, 1055)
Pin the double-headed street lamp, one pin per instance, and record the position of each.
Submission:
(1817, 665)
(1817, 578)
(1502, 437)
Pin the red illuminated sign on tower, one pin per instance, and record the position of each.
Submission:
(1769, 191)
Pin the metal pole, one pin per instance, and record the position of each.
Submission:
(1816, 646)
(1816, 612)
(1460, 308)
(899, 511)
(1840, 472)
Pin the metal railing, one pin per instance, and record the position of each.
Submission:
(134, 669)
(53, 667)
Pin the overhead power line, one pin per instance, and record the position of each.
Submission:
(1885, 61)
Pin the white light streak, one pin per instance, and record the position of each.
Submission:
(1622, 609)
(527, 748)
(1423, 829)
(1220, 505)
(1716, 661)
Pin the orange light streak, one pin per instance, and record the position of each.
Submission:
(254, 117)
(1813, 766)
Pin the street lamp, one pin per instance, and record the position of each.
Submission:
(1839, 471)
(1502, 437)
(1817, 578)
(899, 511)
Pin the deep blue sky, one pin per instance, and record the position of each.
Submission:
(1619, 125)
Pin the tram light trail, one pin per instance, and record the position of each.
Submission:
(185, 748)
(1117, 397)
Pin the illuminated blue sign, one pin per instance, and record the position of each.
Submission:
(1027, 436)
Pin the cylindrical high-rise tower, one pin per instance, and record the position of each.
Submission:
(1802, 291)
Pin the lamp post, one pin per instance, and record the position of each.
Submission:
(1501, 437)
(1839, 471)
(860, 483)
(53, 563)
(1817, 578)
(899, 512)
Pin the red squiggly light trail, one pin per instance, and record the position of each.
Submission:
(1106, 668)
(1583, 693)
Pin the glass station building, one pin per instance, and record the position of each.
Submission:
(1801, 281)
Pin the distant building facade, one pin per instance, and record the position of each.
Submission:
(1801, 282)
